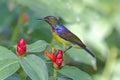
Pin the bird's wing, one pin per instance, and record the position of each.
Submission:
(69, 36)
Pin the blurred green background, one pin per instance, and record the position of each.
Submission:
(96, 22)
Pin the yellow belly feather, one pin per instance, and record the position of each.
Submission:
(64, 42)
(59, 39)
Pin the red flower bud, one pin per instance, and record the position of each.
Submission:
(21, 47)
(56, 58)
(59, 58)
(24, 18)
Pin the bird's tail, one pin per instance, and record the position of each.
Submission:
(87, 50)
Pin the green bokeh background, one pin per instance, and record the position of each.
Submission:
(95, 22)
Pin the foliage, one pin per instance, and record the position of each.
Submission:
(96, 22)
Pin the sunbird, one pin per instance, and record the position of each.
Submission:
(63, 35)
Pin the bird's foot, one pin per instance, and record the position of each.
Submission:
(67, 49)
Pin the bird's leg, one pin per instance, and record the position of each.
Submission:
(67, 48)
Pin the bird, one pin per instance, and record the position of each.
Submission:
(63, 35)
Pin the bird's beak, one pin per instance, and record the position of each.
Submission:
(41, 19)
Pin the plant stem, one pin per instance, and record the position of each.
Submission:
(110, 63)
(55, 74)
(22, 74)
(17, 27)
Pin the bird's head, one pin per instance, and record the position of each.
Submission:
(51, 20)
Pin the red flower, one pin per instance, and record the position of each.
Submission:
(56, 58)
(59, 58)
(21, 47)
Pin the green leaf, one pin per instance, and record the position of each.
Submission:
(15, 76)
(81, 56)
(37, 46)
(35, 67)
(74, 73)
(8, 63)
